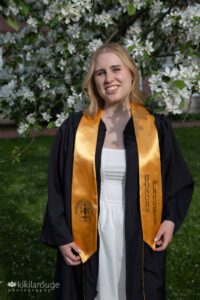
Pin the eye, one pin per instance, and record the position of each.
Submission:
(116, 69)
(100, 73)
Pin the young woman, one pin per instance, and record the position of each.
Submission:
(119, 188)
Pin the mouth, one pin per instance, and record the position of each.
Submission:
(111, 89)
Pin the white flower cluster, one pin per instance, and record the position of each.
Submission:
(103, 18)
(61, 118)
(190, 23)
(68, 11)
(157, 7)
(74, 31)
(43, 64)
(31, 118)
(32, 22)
(42, 83)
(75, 100)
(71, 48)
(137, 3)
(178, 86)
(185, 22)
(7, 90)
(46, 117)
(25, 93)
(138, 48)
(12, 9)
(94, 44)
(22, 128)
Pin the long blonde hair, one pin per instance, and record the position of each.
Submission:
(88, 83)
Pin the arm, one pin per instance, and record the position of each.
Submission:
(178, 186)
(56, 231)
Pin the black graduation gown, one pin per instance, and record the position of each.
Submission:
(145, 269)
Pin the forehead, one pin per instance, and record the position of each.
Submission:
(107, 59)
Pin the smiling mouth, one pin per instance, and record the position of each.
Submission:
(112, 89)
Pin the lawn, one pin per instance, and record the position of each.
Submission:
(23, 196)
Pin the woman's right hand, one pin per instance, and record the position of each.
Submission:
(69, 257)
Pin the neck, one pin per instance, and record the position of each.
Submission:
(116, 108)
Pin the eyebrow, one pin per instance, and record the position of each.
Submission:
(110, 68)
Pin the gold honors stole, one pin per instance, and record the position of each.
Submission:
(84, 201)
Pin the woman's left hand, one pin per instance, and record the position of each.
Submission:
(164, 235)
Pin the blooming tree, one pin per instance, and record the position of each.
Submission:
(43, 62)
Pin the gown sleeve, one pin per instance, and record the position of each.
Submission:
(178, 184)
(56, 230)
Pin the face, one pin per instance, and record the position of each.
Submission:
(112, 78)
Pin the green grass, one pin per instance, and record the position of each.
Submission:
(23, 196)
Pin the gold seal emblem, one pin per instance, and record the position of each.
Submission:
(83, 210)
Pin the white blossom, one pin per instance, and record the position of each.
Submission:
(157, 7)
(62, 64)
(31, 118)
(172, 73)
(74, 30)
(67, 32)
(25, 93)
(7, 90)
(104, 18)
(94, 44)
(43, 83)
(60, 118)
(32, 21)
(23, 127)
(46, 116)
(8, 37)
(71, 48)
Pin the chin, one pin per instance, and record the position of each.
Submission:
(115, 99)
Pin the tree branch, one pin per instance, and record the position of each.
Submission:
(121, 30)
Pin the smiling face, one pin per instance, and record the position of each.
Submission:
(112, 78)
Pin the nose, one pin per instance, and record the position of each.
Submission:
(108, 77)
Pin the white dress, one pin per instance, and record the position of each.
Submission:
(111, 276)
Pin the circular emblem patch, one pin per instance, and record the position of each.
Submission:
(84, 210)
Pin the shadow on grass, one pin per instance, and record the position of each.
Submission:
(24, 260)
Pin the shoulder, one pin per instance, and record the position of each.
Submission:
(162, 122)
(72, 121)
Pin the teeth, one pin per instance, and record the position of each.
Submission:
(111, 88)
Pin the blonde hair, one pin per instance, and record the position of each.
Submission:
(88, 83)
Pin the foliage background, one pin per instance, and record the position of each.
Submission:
(43, 62)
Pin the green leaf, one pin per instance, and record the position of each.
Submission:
(131, 9)
(12, 23)
(180, 84)
(25, 9)
(197, 18)
(130, 48)
(51, 124)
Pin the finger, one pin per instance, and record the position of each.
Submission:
(75, 247)
(71, 262)
(163, 245)
(72, 256)
(159, 235)
(159, 243)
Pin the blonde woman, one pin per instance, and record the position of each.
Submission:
(119, 188)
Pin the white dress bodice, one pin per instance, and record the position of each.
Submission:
(111, 276)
